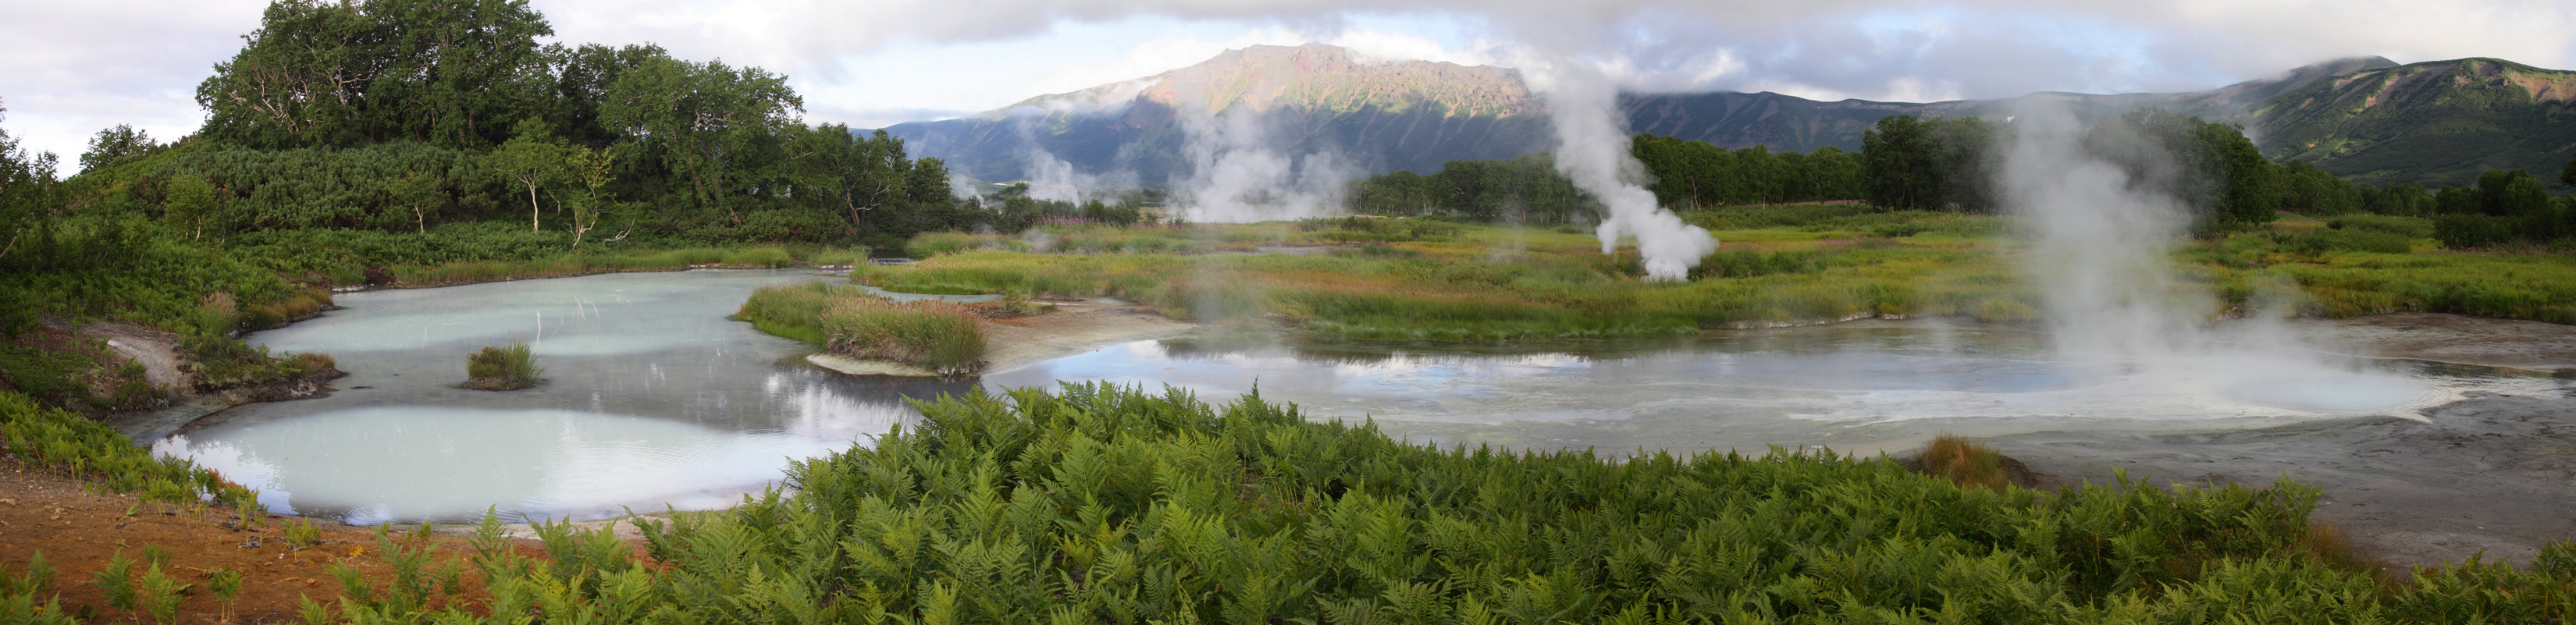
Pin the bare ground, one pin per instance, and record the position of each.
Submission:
(2491, 474)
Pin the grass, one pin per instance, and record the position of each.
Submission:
(942, 337)
(1490, 283)
(1963, 462)
(572, 264)
(504, 368)
(1096, 504)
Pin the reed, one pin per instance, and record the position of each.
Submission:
(939, 336)
(504, 368)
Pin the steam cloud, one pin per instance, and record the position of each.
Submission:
(2100, 253)
(1237, 174)
(1592, 151)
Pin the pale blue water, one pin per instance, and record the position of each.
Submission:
(653, 398)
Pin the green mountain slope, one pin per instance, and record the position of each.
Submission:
(2436, 123)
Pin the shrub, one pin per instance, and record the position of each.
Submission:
(940, 336)
(506, 368)
(66, 442)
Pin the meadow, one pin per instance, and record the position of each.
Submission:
(1422, 279)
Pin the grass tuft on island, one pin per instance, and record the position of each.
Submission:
(941, 337)
(504, 368)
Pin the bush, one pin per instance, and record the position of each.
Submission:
(1095, 504)
(2409, 227)
(2321, 241)
(505, 368)
(66, 442)
(939, 336)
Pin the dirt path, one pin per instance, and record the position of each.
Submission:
(157, 350)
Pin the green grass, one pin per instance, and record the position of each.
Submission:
(939, 336)
(569, 264)
(1094, 504)
(1488, 283)
(503, 368)
(67, 443)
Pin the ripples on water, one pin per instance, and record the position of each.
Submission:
(654, 399)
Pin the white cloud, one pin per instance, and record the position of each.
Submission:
(72, 68)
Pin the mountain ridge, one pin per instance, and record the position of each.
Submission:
(2429, 122)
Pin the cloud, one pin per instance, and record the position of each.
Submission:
(75, 67)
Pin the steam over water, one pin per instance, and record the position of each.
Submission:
(2100, 253)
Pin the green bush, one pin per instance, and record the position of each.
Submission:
(940, 336)
(1095, 504)
(504, 368)
(66, 442)
(2321, 241)
(2409, 227)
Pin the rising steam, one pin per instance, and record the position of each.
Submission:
(1237, 173)
(1592, 150)
(2100, 253)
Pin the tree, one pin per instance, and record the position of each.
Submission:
(452, 72)
(29, 194)
(531, 159)
(190, 203)
(418, 192)
(116, 145)
(593, 169)
(715, 128)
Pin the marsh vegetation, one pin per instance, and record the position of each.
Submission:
(503, 368)
(941, 337)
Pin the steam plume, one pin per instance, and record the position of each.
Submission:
(1238, 175)
(1592, 150)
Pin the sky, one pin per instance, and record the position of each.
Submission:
(68, 69)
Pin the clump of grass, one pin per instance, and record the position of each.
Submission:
(942, 337)
(226, 583)
(505, 368)
(1963, 462)
(216, 315)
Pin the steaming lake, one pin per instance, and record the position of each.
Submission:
(654, 399)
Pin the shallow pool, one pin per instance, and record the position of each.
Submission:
(653, 398)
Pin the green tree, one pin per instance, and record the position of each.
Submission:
(116, 145)
(452, 72)
(2511, 193)
(416, 191)
(714, 128)
(29, 194)
(593, 169)
(2567, 175)
(1898, 165)
(190, 204)
(531, 160)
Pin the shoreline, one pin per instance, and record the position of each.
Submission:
(2473, 477)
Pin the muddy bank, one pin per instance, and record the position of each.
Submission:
(2461, 339)
(1073, 328)
(2490, 474)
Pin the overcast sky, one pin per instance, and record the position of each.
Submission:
(68, 69)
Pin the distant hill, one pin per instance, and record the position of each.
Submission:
(2366, 117)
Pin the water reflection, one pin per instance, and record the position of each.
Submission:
(652, 397)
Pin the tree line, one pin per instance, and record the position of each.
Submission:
(1951, 164)
(401, 115)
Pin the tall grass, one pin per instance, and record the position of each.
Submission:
(503, 368)
(764, 257)
(1094, 504)
(939, 336)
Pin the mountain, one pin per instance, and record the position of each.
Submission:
(1378, 115)
(2442, 121)
(2365, 117)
